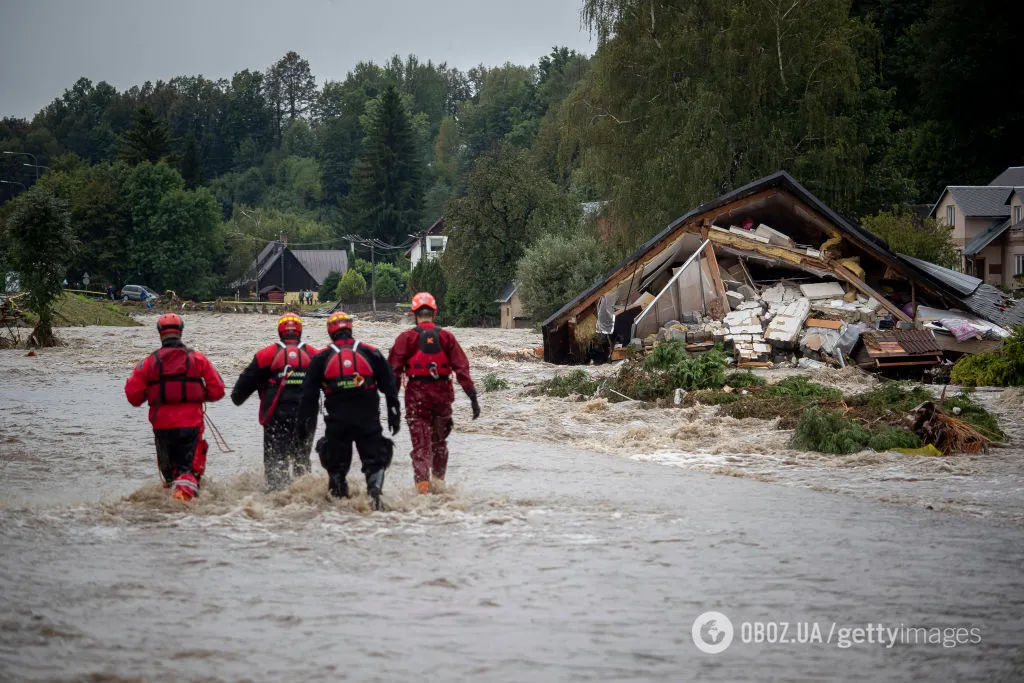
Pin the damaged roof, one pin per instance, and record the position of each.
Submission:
(779, 179)
(779, 199)
(985, 301)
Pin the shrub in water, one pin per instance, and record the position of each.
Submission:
(743, 379)
(575, 382)
(494, 383)
(803, 388)
(827, 431)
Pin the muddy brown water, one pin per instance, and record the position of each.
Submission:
(543, 561)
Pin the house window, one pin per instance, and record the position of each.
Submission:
(951, 215)
(1018, 214)
(1019, 269)
(435, 244)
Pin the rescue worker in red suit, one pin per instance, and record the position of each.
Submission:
(276, 373)
(176, 381)
(429, 356)
(352, 375)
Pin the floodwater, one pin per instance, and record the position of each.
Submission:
(545, 560)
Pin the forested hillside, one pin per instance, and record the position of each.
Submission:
(870, 104)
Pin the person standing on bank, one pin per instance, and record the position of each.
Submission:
(429, 356)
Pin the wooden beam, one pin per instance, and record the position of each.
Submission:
(848, 275)
(716, 277)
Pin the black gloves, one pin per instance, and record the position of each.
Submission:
(475, 402)
(394, 417)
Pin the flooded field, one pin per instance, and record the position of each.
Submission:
(577, 541)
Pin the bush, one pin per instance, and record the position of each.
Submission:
(1003, 369)
(974, 414)
(494, 383)
(351, 285)
(743, 380)
(907, 234)
(668, 368)
(329, 287)
(892, 396)
(802, 387)
(428, 276)
(665, 356)
(392, 281)
(575, 382)
(827, 431)
(554, 270)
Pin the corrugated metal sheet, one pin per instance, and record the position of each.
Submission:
(985, 237)
(963, 283)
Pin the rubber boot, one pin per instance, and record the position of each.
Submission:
(337, 486)
(374, 487)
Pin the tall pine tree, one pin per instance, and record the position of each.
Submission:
(147, 140)
(191, 163)
(387, 193)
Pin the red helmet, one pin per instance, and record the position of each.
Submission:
(290, 325)
(337, 322)
(424, 299)
(170, 323)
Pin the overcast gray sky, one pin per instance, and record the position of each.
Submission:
(46, 45)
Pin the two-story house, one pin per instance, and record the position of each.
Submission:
(429, 245)
(987, 223)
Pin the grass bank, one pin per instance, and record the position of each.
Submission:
(75, 310)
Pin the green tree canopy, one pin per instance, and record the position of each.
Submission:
(554, 270)
(508, 204)
(387, 194)
(40, 244)
(926, 238)
(352, 284)
(147, 140)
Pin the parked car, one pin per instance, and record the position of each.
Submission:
(137, 293)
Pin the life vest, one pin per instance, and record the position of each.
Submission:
(288, 368)
(177, 379)
(430, 361)
(289, 364)
(347, 371)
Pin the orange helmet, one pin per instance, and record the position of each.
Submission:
(424, 299)
(290, 325)
(170, 324)
(337, 322)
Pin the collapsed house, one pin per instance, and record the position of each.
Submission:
(777, 276)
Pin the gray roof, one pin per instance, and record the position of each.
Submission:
(320, 262)
(506, 294)
(985, 237)
(985, 201)
(962, 283)
(984, 301)
(1014, 175)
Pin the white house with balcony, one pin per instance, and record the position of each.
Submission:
(429, 245)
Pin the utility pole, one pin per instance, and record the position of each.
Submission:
(373, 277)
